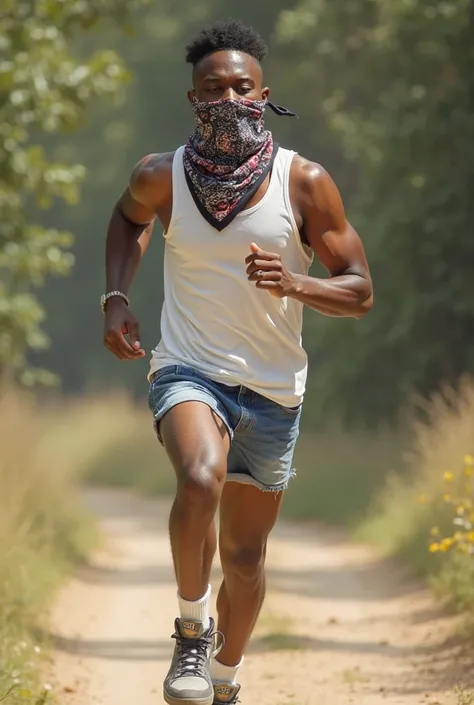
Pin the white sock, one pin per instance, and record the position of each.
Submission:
(224, 674)
(196, 610)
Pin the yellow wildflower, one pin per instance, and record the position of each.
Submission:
(446, 544)
(435, 547)
(469, 459)
(458, 536)
(468, 470)
(448, 477)
(470, 537)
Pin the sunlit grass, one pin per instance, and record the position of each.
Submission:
(43, 529)
(426, 513)
(339, 471)
(48, 448)
(464, 696)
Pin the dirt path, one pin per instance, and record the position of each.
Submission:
(338, 626)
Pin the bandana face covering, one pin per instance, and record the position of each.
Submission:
(228, 156)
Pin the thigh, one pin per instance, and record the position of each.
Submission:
(190, 421)
(196, 439)
(247, 516)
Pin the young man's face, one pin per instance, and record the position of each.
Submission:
(228, 74)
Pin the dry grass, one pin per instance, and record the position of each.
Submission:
(465, 697)
(47, 448)
(43, 529)
(410, 506)
(339, 471)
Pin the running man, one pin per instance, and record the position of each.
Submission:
(242, 219)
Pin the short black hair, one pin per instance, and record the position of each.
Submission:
(226, 35)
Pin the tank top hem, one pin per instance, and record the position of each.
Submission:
(230, 380)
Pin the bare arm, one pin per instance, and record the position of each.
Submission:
(132, 221)
(128, 236)
(347, 292)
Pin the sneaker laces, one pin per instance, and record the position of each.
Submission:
(193, 654)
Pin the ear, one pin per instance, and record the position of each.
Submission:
(192, 96)
(265, 93)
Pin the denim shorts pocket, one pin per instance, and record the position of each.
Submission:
(163, 372)
(291, 410)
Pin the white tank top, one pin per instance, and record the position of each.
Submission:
(216, 321)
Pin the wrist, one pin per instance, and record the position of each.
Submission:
(296, 285)
(114, 296)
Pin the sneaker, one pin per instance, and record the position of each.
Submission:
(226, 693)
(188, 681)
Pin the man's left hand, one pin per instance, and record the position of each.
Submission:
(268, 272)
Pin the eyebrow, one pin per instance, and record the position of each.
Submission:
(214, 78)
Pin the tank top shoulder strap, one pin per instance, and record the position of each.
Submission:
(180, 192)
(281, 173)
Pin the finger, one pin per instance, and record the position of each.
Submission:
(264, 265)
(133, 330)
(267, 284)
(122, 346)
(261, 254)
(260, 275)
(111, 346)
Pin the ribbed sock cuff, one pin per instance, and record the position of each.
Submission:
(196, 610)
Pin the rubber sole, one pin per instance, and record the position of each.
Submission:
(180, 701)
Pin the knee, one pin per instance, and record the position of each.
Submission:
(200, 485)
(246, 561)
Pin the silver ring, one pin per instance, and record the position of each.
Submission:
(260, 273)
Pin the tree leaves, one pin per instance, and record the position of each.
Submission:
(399, 94)
(44, 88)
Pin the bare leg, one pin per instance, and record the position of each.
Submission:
(243, 545)
(197, 443)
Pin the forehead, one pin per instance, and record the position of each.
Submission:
(229, 64)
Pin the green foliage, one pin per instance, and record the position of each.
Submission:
(44, 89)
(153, 115)
(384, 92)
(395, 80)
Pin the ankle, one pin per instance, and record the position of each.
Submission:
(196, 609)
(222, 673)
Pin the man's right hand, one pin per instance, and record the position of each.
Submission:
(119, 322)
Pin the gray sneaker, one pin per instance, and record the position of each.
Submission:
(188, 681)
(226, 694)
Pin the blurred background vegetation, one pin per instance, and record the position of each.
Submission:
(384, 91)
(385, 94)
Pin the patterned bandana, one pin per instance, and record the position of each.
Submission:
(228, 156)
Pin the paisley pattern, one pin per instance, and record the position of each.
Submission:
(227, 157)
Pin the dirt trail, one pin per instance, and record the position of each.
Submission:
(338, 626)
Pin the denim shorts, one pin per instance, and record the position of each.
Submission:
(263, 434)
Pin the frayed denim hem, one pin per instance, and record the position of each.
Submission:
(245, 479)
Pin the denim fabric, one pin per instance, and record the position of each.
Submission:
(263, 434)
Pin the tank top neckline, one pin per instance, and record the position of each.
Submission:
(273, 183)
